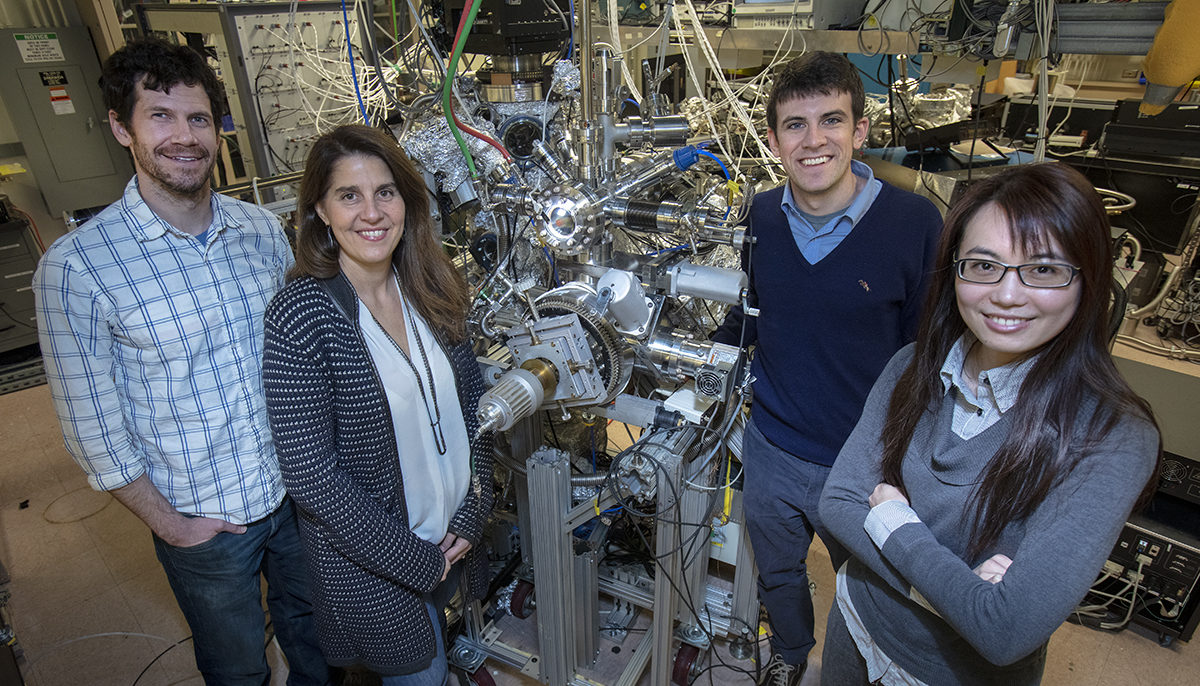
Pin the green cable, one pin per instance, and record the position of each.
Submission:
(450, 72)
(395, 33)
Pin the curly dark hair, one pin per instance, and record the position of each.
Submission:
(427, 276)
(817, 73)
(158, 66)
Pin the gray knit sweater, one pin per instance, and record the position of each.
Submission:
(987, 634)
(337, 452)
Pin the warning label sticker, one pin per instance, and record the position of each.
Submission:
(60, 101)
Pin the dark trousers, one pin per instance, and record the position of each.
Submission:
(780, 496)
(841, 663)
(218, 587)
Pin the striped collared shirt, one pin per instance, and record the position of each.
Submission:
(152, 342)
(995, 393)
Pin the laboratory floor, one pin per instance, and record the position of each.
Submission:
(91, 605)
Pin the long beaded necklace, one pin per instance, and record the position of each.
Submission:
(435, 415)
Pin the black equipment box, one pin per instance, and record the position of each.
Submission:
(1165, 192)
(1164, 540)
(1173, 133)
(1180, 477)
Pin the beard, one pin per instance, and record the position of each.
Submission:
(185, 184)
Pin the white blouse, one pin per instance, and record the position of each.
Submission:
(435, 485)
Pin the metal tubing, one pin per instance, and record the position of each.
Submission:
(549, 161)
(659, 167)
(262, 184)
(611, 132)
(605, 81)
(676, 354)
(585, 47)
(670, 129)
(587, 143)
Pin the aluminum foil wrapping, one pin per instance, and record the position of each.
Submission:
(485, 221)
(581, 493)
(723, 256)
(566, 78)
(540, 109)
(431, 145)
(942, 106)
(504, 596)
(938, 107)
(693, 109)
(876, 108)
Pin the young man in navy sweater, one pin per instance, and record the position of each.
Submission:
(838, 272)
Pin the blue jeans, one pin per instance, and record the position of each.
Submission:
(781, 493)
(218, 589)
(435, 674)
(435, 603)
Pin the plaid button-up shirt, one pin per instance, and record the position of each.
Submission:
(152, 342)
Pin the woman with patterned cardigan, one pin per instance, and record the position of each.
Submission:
(371, 388)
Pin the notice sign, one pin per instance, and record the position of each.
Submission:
(39, 47)
(60, 101)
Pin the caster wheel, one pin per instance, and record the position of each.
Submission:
(522, 602)
(685, 659)
(1165, 640)
(482, 677)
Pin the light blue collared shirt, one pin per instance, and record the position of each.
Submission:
(816, 244)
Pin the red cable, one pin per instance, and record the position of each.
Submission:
(37, 235)
(462, 21)
(479, 134)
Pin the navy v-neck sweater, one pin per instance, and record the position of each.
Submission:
(825, 332)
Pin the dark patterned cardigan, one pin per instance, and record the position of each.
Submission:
(337, 450)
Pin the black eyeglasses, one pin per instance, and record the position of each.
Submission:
(1034, 275)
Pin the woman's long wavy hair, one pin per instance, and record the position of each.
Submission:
(1074, 375)
(427, 276)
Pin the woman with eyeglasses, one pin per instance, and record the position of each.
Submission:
(998, 456)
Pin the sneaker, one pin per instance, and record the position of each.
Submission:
(780, 673)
